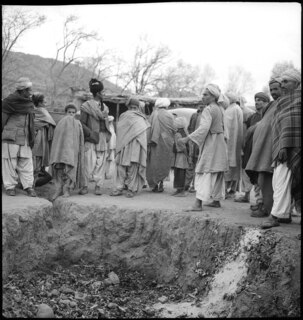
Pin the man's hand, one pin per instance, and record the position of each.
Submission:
(282, 156)
(184, 140)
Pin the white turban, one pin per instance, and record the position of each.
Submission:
(224, 101)
(180, 122)
(162, 103)
(292, 75)
(215, 91)
(23, 83)
(232, 97)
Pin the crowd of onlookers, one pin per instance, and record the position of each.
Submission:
(225, 150)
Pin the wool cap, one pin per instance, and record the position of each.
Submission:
(262, 96)
(23, 83)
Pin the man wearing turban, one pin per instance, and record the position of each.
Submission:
(131, 150)
(260, 160)
(94, 120)
(286, 151)
(160, 145)
(18, 134)
(212, 162)
(234, 126)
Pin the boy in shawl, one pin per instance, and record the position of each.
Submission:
(18, 136)
(131, 150)
(180, 159)
(94, 120)
(67, 154)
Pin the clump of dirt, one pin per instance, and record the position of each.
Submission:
(84, 291)
(272, 285)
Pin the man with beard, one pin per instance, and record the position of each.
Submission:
(286, 151)
(259, 163)
(131, 150)
(18, 135)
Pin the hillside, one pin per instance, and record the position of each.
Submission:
(37, 69)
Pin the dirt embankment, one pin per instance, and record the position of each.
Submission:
(162, 242)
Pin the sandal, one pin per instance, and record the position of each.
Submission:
(116, 193)
(193, 209)
(129, 194)
(270, 223)
(242, 200)
(214, 204)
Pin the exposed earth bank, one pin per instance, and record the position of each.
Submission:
(151, 234)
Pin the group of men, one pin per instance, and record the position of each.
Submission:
(230, 147)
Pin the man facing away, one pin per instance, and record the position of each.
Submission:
(160, 145)
(18, 139)
(286, 151)
(234, 125)
(131, 150)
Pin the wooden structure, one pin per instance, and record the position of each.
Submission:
(116, 103)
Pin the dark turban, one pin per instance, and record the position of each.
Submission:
(95, 86)
(262, 96)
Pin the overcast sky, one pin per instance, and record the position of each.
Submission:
(254, 35)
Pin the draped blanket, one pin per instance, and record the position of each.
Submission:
(130, 125)
(260, 159)
(68, 148)
(286, 133)
(44, 128)
(15, 103)
(161, 141)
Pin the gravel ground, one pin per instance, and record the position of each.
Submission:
(85, 291)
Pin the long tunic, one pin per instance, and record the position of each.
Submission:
(213, 148)
(161, 141)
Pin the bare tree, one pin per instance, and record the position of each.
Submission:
(146, 66)
(15, 23)
(184, 80)
(240, 81)
(73, 38)
(280, 67)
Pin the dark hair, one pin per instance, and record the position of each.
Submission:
(95, 86)
(70, 106)
(37, 98)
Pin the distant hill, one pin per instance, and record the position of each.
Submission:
(37, 69)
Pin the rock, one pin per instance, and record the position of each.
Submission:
(45, 311)
(200, 315)
(64, 301)
(113, 278)
(54, 293)
(97, 284)
(163, 299)
(101, 312)
(149, 311)
(66, 290)
(112, 305)
(80, 295)
(73, 304)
